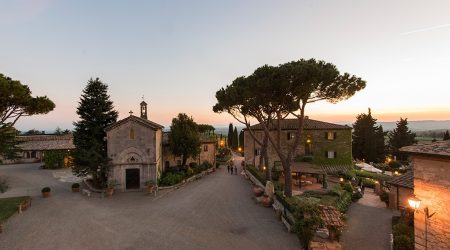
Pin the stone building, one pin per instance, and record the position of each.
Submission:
(33, 147)
(400, 189)
(431, 163)
(326, 143)
(135, 147)
(208, 152)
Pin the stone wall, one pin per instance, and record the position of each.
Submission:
(319, 145)
(133, 145)
(209, 155)
(432, 187)
(403, 195)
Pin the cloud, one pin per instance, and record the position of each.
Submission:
(426, 29)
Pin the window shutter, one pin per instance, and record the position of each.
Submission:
(326, 154)
(288, 136)
(335, 154)
(326, 135)
(335, 135)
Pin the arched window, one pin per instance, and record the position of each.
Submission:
(132, 133)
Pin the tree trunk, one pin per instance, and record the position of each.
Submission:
(287, 177)
(265, 154)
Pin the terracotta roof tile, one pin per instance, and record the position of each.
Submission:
(46, 142)
(441, 148)
(309, 124)
(405, 180)
(144, 122)
(331, 216)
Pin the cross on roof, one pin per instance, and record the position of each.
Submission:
(131, 113)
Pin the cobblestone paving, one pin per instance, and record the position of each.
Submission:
(215, 212)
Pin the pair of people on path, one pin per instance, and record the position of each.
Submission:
(230, 168)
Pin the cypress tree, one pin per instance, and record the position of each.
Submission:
(368, 139)
(235, 139)
(96, 112)
(446, 136)
(230, 135)
(401, 136)
(241, 139)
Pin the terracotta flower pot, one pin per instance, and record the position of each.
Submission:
(266, 201)
(258, 191)
(45, 194)
(109, 191)
(76, 190)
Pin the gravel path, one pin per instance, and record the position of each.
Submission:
(369, 224)
(215, 212)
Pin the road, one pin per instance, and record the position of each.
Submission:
(215, 212)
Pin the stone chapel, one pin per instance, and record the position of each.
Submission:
(135, 147)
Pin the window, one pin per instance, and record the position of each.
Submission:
(308, 148)
(205, 148)
(257, 152)
(290, 136)
(132, 133)
(178, 162)
(330, 136)
(331, 154)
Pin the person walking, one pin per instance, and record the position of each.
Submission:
(231, 168)
(235, 169)
(228, 166)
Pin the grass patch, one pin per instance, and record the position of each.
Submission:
(8, 206)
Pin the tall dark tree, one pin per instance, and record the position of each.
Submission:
(8, 143)
(184, 138)
(241, 139)
(235, 139)
(368, 139)
(401, 136)
(272, 93)
(96, 112)
(16, 101)
(446, 136)
(230, 135)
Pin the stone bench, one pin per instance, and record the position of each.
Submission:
(86, 192)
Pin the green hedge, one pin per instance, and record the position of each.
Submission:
(258, 174)
(54, 159)
(380, 177)
(403, 234)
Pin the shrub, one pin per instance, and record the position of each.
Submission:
(255, 172)
(170, 179)
(45, 190)
(368, 182)
(356, 196)
(395, 164)
(403, 236)
(348, 187)
(75, 185)
(54, 159)
(3, 185)
(192, 164)
(384, 196)
(307, 220)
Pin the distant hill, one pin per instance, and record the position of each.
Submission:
(420, 125)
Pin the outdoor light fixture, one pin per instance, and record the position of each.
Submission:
(396, 172)
(264, 168)
(308, 141)
(239, 149)
(414, 202)
(341, 179)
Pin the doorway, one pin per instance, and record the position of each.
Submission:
(132, 178)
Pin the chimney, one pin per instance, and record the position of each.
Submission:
(144, 110)
(306, 117)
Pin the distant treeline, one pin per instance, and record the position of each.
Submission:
(437, 133)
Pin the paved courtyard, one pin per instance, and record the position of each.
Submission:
(215, 212)
(368, 225)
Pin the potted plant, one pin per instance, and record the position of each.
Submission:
(258, 191)
(76, 187)
(45, 192)
(151, 185)
(110, 188)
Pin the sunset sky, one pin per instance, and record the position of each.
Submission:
(179, 53)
